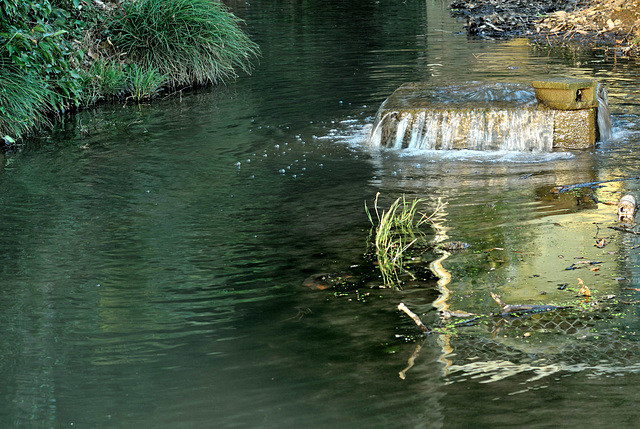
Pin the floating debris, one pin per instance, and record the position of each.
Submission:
(581, 264)
(627, 207)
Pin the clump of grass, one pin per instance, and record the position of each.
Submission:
(395, 231)
(109, 80)
(25, 102)
(105, 80)
(191, 41)
(144, 84)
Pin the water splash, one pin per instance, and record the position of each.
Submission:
(604, 116)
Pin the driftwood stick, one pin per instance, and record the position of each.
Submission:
(497, 299)
(414, 316)
(522, 308)
(567, 188)
(621, 229)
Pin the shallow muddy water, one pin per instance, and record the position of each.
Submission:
(154, 257)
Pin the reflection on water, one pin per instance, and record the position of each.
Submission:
(152, 265)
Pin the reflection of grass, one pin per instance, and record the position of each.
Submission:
(397, 230)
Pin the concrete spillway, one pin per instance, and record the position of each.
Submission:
(570, 114)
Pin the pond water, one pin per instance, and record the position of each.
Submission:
(153, 257)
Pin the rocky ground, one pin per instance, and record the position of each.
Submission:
(613, 23)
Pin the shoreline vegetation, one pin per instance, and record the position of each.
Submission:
(62, 55)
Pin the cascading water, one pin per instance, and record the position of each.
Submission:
(498, 117)
(604, 116)
(474, 129)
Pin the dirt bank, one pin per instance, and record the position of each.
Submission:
(611, 23)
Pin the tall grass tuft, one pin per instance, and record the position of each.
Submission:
(395, 231)
(190, 41)
(144, 84)
(25, 102)
(105, 80)
(110, 80)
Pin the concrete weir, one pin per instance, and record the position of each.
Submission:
(561, 113)
(575, 104)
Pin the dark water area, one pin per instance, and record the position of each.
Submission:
(153, 257)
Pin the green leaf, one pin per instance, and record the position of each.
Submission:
(9, 139)
(57, 33)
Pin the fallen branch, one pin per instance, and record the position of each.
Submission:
(522, 308)
(567, 188)
(581, 264)
(414, 316)
(621, 229)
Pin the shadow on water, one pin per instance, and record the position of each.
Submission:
(153, 257)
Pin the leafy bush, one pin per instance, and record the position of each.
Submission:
(34, 36)
(191, 41)
(38, 66)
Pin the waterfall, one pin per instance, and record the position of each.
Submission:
(523, 129)
(604, 116)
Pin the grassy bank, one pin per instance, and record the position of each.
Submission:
(57, 55)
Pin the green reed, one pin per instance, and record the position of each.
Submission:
(394, 232)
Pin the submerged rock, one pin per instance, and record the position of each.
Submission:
(453, 246)
(325, 281)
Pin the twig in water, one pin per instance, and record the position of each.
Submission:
(567, 188)
(516, 309)
(414, 316)
(581, 264)
(617, 228)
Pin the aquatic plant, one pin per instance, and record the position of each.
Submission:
(191, 41)
(394, 232)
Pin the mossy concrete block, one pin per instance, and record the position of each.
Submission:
(574, 129)
(567, 93)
